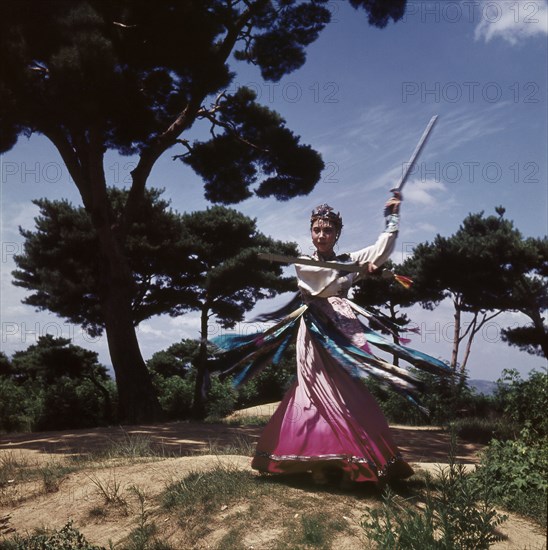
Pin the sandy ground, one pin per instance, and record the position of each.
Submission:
(26, 507)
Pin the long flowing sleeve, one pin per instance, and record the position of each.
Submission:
(379, 252)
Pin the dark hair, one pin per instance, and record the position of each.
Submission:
(326, 213)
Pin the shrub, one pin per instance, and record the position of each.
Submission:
(517, 472)
(67, 538)
(69, 404)
(221, 399)
(175, 394)
(524, 401)
(19, 407)
(458, 515)
(483, 429)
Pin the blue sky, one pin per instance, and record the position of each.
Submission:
(362, 99)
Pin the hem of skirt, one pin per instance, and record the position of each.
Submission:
(359, 468)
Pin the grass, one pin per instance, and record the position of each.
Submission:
(241, 445)
(110, 490)
(10, 468)
(130, 448)
(207, 491)
(18, 474)
(52, 475)
(246, 420)
(318, 529)
(482, 430)
(144, 535)
(237, 503)
(458, 513)
(228, 508)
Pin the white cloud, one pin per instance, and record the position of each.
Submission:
(512, 21)
(18, 214)
(423, 192)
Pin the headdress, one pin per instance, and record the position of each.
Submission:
(326, 213)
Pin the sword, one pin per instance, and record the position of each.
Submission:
(340, 266)
(410, 165)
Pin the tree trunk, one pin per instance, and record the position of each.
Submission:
(137, 401)
(538, 323)
(202, 372)
(473, 330)
(456, 336)
(475, 327)
(83, 155)
(393, 317)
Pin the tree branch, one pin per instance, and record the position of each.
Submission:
(230, 128)
(181, 123)
(71, 160)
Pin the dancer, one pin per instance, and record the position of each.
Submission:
(328, 421)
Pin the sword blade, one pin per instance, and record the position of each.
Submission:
(339, 266)
(415, 154)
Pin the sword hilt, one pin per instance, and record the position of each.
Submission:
(396, 193)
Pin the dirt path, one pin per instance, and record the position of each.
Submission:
(77, 495)
(417, 444)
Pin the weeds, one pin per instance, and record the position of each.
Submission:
(66, 538)
(458, 515)
(207, 491)
(131, 446)
(52, 476)
(241, 445)
(10, 467)
(517, 473)
(110, 490)
(246, 420)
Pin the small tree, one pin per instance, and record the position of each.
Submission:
(476, 268)
(61, 368)
(225, 278)
(60, 259)
(530, 297)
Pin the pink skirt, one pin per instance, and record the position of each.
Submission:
(328, 420)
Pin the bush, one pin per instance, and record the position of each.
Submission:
(517, 472)
(483, 429)
(270, 384)
(175, 395)
(515, 464)
(68, 538)
(19, 407)
(221, 399)
(394, 406)
(524, 401)
(458, 515)
(71, 404)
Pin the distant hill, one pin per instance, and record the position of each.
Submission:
(487, 387)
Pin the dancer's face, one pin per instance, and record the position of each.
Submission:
(324, 236)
